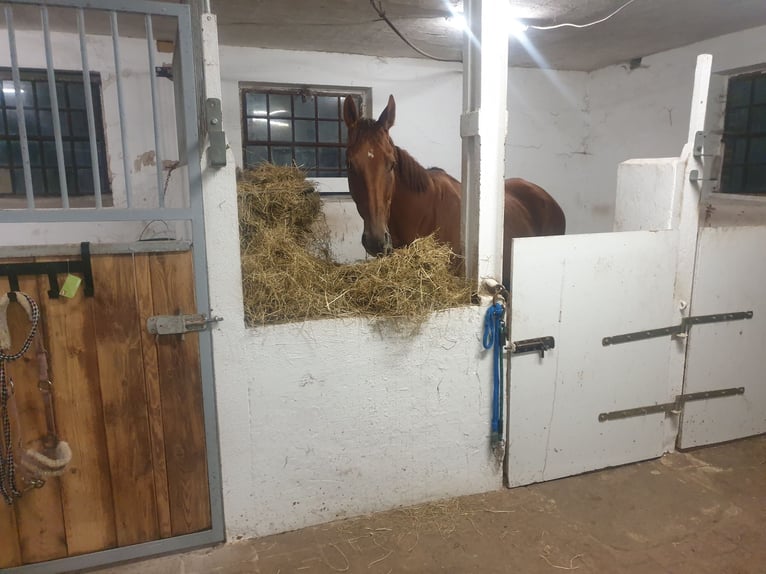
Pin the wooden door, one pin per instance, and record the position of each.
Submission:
(128, 404)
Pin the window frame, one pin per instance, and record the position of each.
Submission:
(365, 98)
(728, 135)
(49, 173)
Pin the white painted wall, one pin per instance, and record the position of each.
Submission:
(644, 113)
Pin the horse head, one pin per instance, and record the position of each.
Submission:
(371, 160)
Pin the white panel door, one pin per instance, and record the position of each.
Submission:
(580, 289)
(730, 276)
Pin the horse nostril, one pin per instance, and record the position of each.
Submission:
(387, 238)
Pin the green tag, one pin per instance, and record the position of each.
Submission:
(70, 286)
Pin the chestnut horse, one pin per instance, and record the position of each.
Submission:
(400, 200)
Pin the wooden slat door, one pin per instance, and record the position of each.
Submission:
(128, 404)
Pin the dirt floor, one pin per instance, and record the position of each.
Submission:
(700, 512)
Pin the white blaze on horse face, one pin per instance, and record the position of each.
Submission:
(370, 154)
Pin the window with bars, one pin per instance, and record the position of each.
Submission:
(38, 118)
(297, 126)
(744, 137)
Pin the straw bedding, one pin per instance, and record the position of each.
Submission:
(288, 270)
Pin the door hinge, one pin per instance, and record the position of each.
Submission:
(670, 408)
(676, 330)
(179, 324)
(536, 345)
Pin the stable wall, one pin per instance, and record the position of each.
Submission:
(644, 113)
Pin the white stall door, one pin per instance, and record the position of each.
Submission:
(730, 277)
(580, 289)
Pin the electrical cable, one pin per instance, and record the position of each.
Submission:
(571, 25)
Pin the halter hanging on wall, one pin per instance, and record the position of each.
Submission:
(52, 269)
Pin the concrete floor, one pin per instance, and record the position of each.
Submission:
(699, 512)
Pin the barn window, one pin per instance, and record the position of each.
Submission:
(300, 126)
(744, 157)
(38, 118)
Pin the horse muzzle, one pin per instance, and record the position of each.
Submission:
(377, 246)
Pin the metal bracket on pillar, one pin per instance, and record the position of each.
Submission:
(216, 152)
(469, 124)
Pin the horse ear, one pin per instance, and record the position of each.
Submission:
(350, 113)
(388, 115)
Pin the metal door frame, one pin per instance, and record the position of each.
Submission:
(195, 215)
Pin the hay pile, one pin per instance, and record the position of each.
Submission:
(289, 274)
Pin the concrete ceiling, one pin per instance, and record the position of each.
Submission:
(352, 26)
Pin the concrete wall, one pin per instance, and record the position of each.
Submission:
(644, 113)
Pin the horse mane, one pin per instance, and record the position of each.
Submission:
(411, 173)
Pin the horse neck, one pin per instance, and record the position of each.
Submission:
(412, 197)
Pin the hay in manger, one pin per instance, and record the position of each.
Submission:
(288, 270)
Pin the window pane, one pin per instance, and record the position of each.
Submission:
(52, 182)
(30, 118)
(35, 157)
(256, 129)
(757, 151)
(84, 182)
(38, 182)
(305, 157)
(328, 132)
(739, 150)
(282, 155)
(43, 94)
(281, 130)
(303, 106)
(64, 119)
(737, 179)
(736, 120)
(49, 154)
(759, 90)
(76, 95)
(18, 182)
(255, 104)
(279, 105)
(46, 123)
(5, 156)
(343, 133)
(343, 157)
(79, 124)
(9, 93)
(82, 153)
(329, 157)
(16, 152)
(758, 119)
(305, 131)
(327, 107)
(756, 178)
(13, 124)
(256, 154)
(739, 92)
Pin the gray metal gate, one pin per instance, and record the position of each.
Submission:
(95, 25)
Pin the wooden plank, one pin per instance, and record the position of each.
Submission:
(123, 393)
(181, 384)
(73, 367)
(39, 514)
(153, 393)
(10, 549)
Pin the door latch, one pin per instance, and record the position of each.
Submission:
(179, 324)
(536, 345)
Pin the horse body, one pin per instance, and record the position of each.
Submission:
(400, 200)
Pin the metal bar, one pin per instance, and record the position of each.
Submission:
(20, 109)
(703, 395)
(53, 92)
(199, 256)
(90, 214)
(65, 250)
(675, 406)
(116, 555)
(637, 412)
(537, 345)
(94, 159)
(641, 335)
(155, 110)
(718, 318)
(132, 6)
(121, 108)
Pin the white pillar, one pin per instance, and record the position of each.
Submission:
(484, 127)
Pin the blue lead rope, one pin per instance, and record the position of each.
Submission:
(494, 335)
